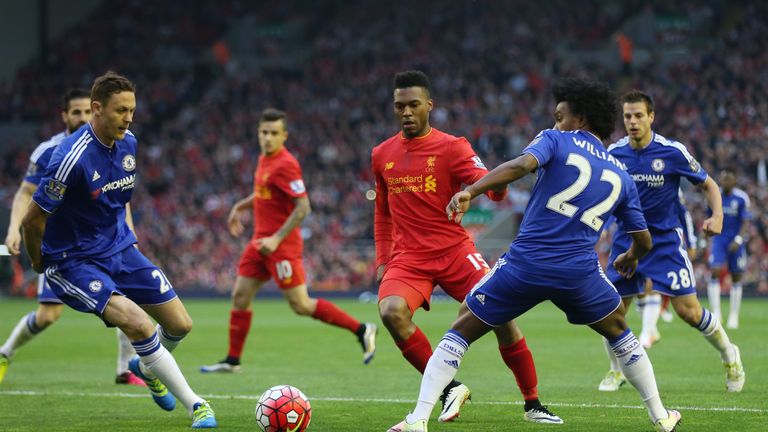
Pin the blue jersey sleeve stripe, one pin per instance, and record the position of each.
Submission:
(668, 143)
(41, 149)
(72, 161)
(743, 195)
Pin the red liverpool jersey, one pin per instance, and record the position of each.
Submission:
(276, 183)
(415, 180)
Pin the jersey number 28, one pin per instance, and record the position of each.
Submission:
(592, 216)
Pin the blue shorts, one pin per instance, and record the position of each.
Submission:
(719, 255)
(667, 265)
(87, 285)
(44, 292)
(510, 290)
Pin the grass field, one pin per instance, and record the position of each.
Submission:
(63, 380)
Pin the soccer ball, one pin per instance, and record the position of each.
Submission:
(283, 408)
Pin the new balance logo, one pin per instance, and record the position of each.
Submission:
(480, 298)
(633, 359)
(96, 176)
(452, 363)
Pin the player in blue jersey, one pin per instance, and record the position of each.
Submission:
(579, 186)
(657, 165)
(79, 231)
(75, 112)
(730, 247)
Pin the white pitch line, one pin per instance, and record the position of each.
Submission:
(375, 400)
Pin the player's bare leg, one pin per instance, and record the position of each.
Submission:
(240, 316)
(320, 309)
(416, 348)
(690, 310)
(636, 366)
(518, 358)
(29, 326)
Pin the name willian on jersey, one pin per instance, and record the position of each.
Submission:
(598, 153)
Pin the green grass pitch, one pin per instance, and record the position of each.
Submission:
(63, 380)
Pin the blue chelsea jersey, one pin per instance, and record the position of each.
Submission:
(39, 159)
(579, 186)
(735, 212)
(657, 170)
(85, 188)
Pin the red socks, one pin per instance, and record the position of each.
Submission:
(520, 360)
(417, 350)
(329, 313)
(239, 325)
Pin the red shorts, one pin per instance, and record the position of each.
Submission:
(414, 280)
(288, 272)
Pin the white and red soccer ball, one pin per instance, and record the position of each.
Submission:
(283, 408)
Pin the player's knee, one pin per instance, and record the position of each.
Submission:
(45, 316)
(715, 271)
(394, 314)
(301, 307)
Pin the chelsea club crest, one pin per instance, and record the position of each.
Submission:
(657, 165)
(129, 163)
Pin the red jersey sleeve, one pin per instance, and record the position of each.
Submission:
(468, 167)
(288, 180)
(382, 219)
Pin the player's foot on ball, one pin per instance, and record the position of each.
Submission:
(130, 379)
(203, 416)
(453, 398)
(404, 426)
(367, 337)
(670, 423)
(734, 373)
(612, 381)
(223, 366)
(4, 362)
(541, 414)
(160, 394)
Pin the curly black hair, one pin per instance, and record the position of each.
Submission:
(412, 78)
(591, 99)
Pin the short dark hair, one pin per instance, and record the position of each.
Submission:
(591, 99)
(634, 96)
(73, 93)
(108, 84)
(412, 78)
(274, 114)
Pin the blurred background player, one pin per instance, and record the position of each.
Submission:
(657, 165)
(280, 203)
(79, 231)
(75, 112)
(553, 257)
(416, 172)
(730, 247)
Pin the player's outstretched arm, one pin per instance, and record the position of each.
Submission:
(499, 177)
(713, 225)
(32, 228)
(20, 203)
(626, 263)
(267, 245)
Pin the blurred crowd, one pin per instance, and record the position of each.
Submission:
(491, 72)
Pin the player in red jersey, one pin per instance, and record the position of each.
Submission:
(417, 172)
(279, 203)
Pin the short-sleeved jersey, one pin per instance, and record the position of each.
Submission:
(735, 212)
(40, 158)
(415, 180)
(276, 183)
(85, 188)
(579, 186)
(657, 170)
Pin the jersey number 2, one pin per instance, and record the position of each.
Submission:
(592, 216)
(164, 284)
